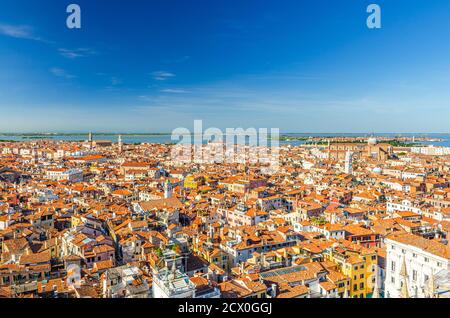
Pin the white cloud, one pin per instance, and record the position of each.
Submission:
(145, 98)
(174, 91)
(162, 75)
(19, 32)
(115, 81)
(59, 72)
(76, 53)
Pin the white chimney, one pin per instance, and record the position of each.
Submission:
(274, 291)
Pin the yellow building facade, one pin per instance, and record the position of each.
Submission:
(193, 181)
(359, 267)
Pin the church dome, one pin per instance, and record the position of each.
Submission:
(372, 141)
(377, 170)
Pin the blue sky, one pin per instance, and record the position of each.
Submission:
(152, 66)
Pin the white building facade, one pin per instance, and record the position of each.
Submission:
(410, 262)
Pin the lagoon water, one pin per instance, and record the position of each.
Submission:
(162, 138)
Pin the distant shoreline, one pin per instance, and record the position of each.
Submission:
(325, 134)
(46, 135)
(302, 135)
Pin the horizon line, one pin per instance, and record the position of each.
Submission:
(161, 133)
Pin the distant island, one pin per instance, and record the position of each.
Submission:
(48, 135)
(394, 141)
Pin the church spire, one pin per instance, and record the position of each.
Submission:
(403, 271)
(376, 289)
(431, 286)
(404, 293)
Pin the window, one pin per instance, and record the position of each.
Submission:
(393, 266)
(361, 286)
(414, 275)
(361, 276)
(355, 287)
(392, 280)
(426, 259)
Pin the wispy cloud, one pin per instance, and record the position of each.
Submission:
(19, 32)
(115, 81)
(59, 72)
(145, 98)
(174, 91)
(76, 53)
(240, 96)
(162, 75)
(114, 84)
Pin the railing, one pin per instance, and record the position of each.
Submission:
(215, 292)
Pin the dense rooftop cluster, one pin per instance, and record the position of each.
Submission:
(101, 219)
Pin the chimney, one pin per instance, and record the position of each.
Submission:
(274, 291)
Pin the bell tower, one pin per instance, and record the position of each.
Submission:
(167, 190)
(120, 143)
(90, 140)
